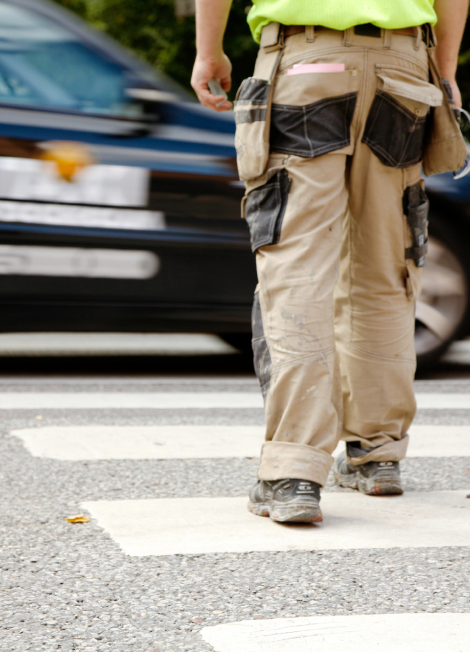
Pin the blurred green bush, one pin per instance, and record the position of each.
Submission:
(151, 29)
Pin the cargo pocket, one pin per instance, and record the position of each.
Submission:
(416, 209)
(261, 354)
(312, 116)
(264, 210)
(251, 138)
(396, 124)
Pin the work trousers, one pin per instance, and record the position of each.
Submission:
(337, 215)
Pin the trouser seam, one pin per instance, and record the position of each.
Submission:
(375, 356)
(301, 357)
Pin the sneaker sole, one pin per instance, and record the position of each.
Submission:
(387, 486)
(287, 513)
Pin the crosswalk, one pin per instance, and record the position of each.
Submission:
(194, 526)
(387, 633)
(208, 525)
(201, 442)
(180, 401)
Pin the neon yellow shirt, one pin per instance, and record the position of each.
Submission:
(341, 14)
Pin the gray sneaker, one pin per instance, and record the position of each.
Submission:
(287, 501)
(371, 478)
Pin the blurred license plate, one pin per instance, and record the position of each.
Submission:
(101, 185)
(78, 262)
(80, 216)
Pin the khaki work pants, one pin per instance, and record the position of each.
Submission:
(337, 216)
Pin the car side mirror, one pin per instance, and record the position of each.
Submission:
(150, 99)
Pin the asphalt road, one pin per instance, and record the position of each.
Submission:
(170, 559)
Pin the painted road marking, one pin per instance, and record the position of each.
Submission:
(190, 442)
(192, 526)
(142, 442)
(443, 401)
(122, 400)
(178, 400)
(420, 632)
(33, 344)
(439, 441)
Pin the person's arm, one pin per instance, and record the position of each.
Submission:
(211, 61)
(451, 15)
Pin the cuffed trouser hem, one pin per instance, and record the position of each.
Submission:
(281, 460)
(392, 452)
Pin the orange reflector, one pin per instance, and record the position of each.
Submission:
(69, 158)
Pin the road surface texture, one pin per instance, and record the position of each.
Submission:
(171, 560)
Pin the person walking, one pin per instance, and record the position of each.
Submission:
(345, 101)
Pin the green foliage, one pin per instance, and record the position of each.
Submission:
(151, 30)
(80, 7)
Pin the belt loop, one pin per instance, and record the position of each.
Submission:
(418, 38)
(425, 34)
(429, 36)
(310, 33)
(272, 37)
(387, 36)
(347, 37)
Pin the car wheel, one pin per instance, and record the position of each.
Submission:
(442, 308)
(240, 341)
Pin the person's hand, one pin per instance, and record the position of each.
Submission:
(206, 69)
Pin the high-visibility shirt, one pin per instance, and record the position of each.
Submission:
(341, 14)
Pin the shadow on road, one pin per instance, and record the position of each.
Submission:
(444, 371)
(225, 365)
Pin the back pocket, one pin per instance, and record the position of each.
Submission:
(312, 113)
(396, 123)
(264, 210)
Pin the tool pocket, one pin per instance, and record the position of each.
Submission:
(396, 123)
(251, 136)
(416, 209)
(445, 149)
(264, 209)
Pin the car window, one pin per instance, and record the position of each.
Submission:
(43, 64)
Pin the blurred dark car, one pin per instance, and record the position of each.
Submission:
(119, 198)
(443, 308)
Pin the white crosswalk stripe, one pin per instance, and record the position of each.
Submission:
(387, 632)
(132, 401)
(178, 400)
(143, 442)
(193, 442)
(194, 526)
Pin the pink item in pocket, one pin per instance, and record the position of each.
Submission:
(302, 68)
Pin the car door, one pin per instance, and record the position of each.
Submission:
(119, 201)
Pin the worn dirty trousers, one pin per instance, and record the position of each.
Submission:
(337, 216)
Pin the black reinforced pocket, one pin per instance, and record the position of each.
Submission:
(393, 132)
(311, 113)
(416, 209)
(264, 210)
(396, 124)
(251, 142)
(313, 129)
